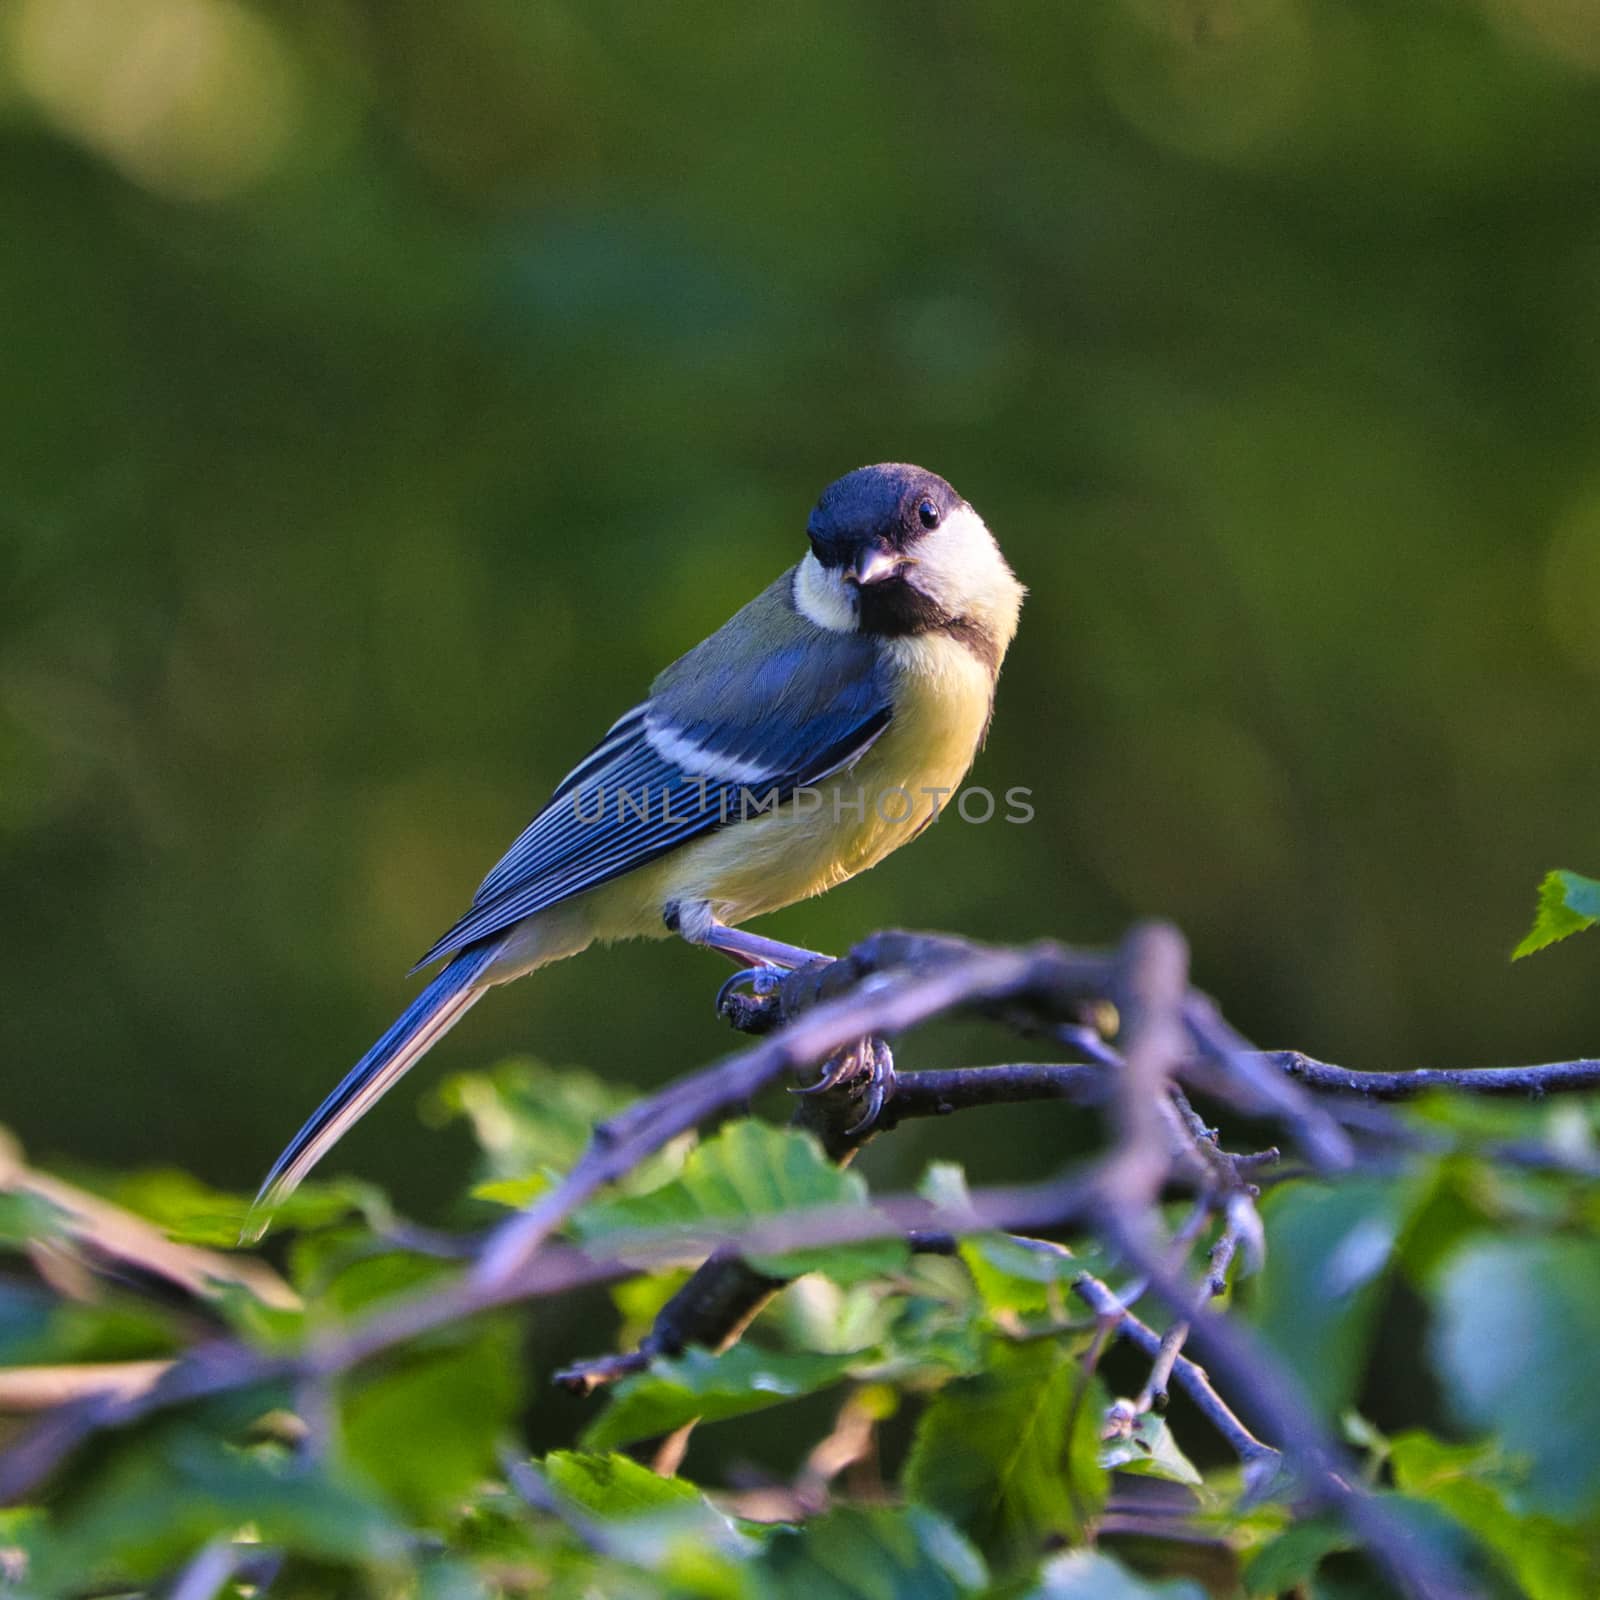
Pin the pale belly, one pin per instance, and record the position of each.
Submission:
(765, 861)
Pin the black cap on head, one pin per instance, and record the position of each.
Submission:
(892, 504)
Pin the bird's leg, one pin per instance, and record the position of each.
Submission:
(762, 962)
(693, 920)
(867, 1066)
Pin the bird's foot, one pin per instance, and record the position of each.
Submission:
(866, 1070)
(763, 981)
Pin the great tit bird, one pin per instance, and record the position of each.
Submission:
(814, 732)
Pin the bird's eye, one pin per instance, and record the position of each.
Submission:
(928, 513)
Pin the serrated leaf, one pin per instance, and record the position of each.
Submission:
(1568, 903)
(869, 1554)
(1514, 1319)
(711, 1387)
(1011, 1454)
(1087, 1575)
(749, 1171)
(1149, 1451)
(425, 1428)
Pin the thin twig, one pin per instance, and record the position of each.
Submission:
(1154, 1394)
(1106, 1304)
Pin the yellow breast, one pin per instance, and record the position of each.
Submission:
(840, 827)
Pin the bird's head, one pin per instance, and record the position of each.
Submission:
(896, 551)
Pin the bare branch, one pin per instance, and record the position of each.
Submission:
(939, 1093)
(1554, 1077)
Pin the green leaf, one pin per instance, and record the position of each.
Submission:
(344, 1273)
(515, 1193)
(1014, 1274)
(711, 1387)
(752, 1170)
(1149, 1451)
(653, 1520)
(1568, 903)
(182, 1206)
(870, 1554)
(158, 1497)
(533, 1122)
(424, 1429)
(1474, 1484)
(1288, 1562)
(615, 1487)
(1011, 1455)
(1516, 1321)
(1315, 1299)
(1087, 1575)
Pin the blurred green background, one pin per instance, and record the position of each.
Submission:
(389, 389)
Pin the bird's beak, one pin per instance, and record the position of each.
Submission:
(873, 565)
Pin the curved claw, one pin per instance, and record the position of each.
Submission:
(880, 1086)
(842, 1067)
(871, 1056)
(762, 980)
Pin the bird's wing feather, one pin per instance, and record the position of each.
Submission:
(722, 719)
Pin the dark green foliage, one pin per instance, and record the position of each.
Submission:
(1006, 1469)
(1012, 1454)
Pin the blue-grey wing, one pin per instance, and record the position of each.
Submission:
(768, 702)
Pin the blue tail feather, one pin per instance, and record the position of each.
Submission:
(434, 1011)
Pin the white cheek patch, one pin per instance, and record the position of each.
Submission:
(960, 568)
(696, 759)
(823, 598)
